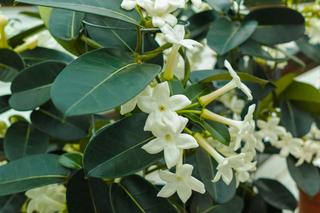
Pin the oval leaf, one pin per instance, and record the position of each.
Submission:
(31, 88)
(10, 65)
(23, 139)
(125, 138)
(34, 171)
(100, 81)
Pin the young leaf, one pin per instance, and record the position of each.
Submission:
(219, 191)
(23, 139)
(31, 172)
(306, 176)
(276, 194)
(125, 138)
(99, 81)
(224, 35)
(31, 88)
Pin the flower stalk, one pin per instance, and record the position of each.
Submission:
(207, 114)
(208, 148)
(29, 44)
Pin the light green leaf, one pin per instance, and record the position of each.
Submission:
(99, 81)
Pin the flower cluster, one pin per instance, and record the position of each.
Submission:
(305, 149)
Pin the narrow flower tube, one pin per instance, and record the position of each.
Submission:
(29, 44)
(172, 63)
(207, 114)
(208, 148)
(3, 36)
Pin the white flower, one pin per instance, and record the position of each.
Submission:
(47, 199)
(181, 182)
(307, 151)
(171, 141)
(131, 105)
(313, 30)
(234, 103)
(270, 130)
(128, 4)
(161, 107)
(314, 132)
(289, 145)
(2, 163)
(237, 81)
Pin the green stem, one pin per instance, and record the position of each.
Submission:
(139, 40)
(187, 67)
(90, 42)
(197, 104)
(189, 111)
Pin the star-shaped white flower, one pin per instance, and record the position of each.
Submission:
(270, 130)
(289, 145)
(131, 105)
(307, 151)
(171, 141)
(161, 107)
(181, 182)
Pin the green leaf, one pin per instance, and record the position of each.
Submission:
(295, 120)
(49, 120)
(306, 176)
(86, 195)
(12, 203)
(277, 195)
(219, 191)
(71, 160)
(110, 9)
(300, 91)
(136, 195)
(310, 50)
(220, 5)
(10, 65)
(225, 35)
(99, 81)
(41, 54)
(125, 138)
(262, 2)
(200, 24)
(31, 172)
(275, 21)
(218, 131)
(31, 88)
(19, 38)
(65, 24)
(196, 90)
(4, 103)
(23, 139)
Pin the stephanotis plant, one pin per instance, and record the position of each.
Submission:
(125, 121)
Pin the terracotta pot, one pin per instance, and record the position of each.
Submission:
(309, 204)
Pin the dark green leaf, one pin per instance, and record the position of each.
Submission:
(31, 88)
(19, 38)
(65, 24)
(110, 9)
(295, 120)
(49, 120)
(100, 81)
(196, 90)
(219, 191)
(306, 176)
(10, 65)
(71, 160)
(275, 21)
(125, 138)
(262, 2)
(12, 203)
(31, 172)
(218, 131)
(277, 195)
(220, 5)
(135, 195)
(40, 54)
(310, 50)
(86, 195)
(4, 103)
(23, 139)
(200, 24)
(225, 35)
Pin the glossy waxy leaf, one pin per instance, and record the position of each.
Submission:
(200, 24)
(23, 139)
(99, 81)
(276, 194)
(86, 194)
(220, 5)
(40, 54)
(31, 172)
(134, 194)
(65, 24)
(219, 191)
(31, 88)
(12, 203)
(225, 35)
(306, 176)
(10, 65)
(110, 9)
(310, 50)
(275, 21)
(125, 138)
(49, 120)
(4, 103)
(71, 160)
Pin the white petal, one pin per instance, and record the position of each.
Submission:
(184, 192)
(170, 19)
(161, 92)
(167, 176)
(185, 170)
(246, 91)
(158, 21)
(183, 123)
(129, 106)
(190, 44)
(196, 185)
(128, 4)
(153, 147)
(178, 102)
(147, 104)
(171, 155)
(185, 141)
(167, 190)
